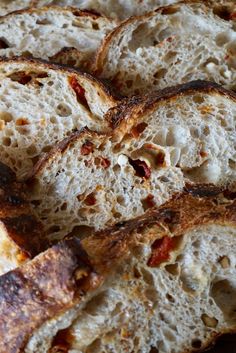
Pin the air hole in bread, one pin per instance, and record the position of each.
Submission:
(93, 305)
(6, 141)
(61, 342)
(46, 149)
(151, 294)
(232, 164)
(4, 43)
(63, 110)
(154, 350)
(95, 26)
(223, 12)
(147, 277)
(137, 274)
(81, 231)
(44, 21)
(54, 229)
(170, 298)
(7, 117)
(32, 151)
(198, 99)
(94, 347)
(169, 10)
(173, 269)
(196, 343)
(209, 321)
(141, 168)
(224, 294)
(160, 73)
(222, 39)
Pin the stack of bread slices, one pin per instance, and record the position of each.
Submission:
(117, 176)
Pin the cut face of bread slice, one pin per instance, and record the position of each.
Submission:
(26, 32)
(41, 289)
(173, 44)
(168, 280)
(21, 233)
(40, 104)
(184, 134)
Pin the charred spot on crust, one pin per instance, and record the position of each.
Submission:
(141, 168)
(202, 190)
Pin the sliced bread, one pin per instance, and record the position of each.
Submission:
(43, 33)
(159, 142)
(174, 44)
(21, 234)
(164, 282)
(40, 104)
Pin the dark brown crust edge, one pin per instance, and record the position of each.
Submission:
(42, 289)
(139, 105)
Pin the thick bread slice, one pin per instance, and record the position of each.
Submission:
(41, 289)
(183, 134)
(174, 44)
(122, 9)
(169, 282)
(41, 103)
(21, 234)
(43, 33)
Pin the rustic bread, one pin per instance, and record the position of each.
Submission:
(183, 134)
(21, 234)
(43, 33)
(43, 288)
(174, 44)
(40, 104)
(164, 281)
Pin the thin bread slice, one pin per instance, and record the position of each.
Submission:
(41, 103)
(43, 33)
(21, 233)
(160, 142)
(163, 281)
(173, 44)
(123, 9)
(51, 283)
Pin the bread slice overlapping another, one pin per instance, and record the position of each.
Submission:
(173, 44)
(159, 142)
(45, 33)
(40, 104)
(164, 282)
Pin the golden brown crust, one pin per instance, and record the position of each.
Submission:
(137, 106)
(41, 289)
(197, 205)
(39, 64)
(22, 227)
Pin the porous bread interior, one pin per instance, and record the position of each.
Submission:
(170, 47)
(26, 33)
(7, 6)
(116, 9)
(35, 115)
(195, 136)
(179, 306)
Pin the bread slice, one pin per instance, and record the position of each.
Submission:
(123, 9)
(41, 103)
(173, 44)
(160, 142)
(165, 281)
(41, 289)
(21, 233)
(26, 32)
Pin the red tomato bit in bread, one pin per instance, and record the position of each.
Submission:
(161, 249)
(141, 168)
(87, 148)
(90, 200)
(105, 163)
(79, 91)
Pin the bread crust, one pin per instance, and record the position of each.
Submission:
(137, 106)
(20, 224)
(40, 290)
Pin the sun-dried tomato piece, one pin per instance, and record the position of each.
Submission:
(105, 163)
(87, 148)
(141, 168)
(79, 91)
(148, 202)
(161, 249)
(138, 129)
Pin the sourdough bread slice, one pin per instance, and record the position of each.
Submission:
(44, 32)
(173, 44)
(164, 281)
(160, 142)
(41, 103)
(21, 233)
(43, 288)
